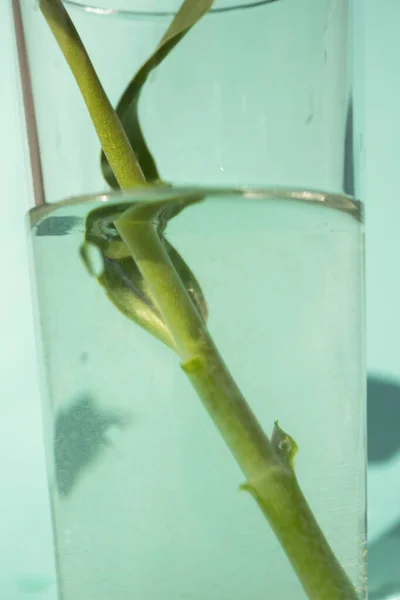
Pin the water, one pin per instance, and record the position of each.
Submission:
(146, 499)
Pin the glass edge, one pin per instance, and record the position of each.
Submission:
(115, 12)
(341, 202)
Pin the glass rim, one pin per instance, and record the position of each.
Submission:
(340, 202)
(103, 11)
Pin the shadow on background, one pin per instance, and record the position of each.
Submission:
(383, 421)
(383, 566)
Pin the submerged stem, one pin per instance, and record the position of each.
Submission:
(270, 476)
(112, 136)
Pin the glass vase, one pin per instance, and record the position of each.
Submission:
(257, 93)
(199, 330)
(147, 498)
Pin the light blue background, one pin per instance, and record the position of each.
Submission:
(26, 564)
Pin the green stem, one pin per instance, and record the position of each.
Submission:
(270, 476)
(112, 136)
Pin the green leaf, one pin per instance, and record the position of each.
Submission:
(120, 276)
(188, 15)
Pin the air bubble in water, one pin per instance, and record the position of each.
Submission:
(92, 258)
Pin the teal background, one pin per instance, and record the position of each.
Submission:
(26, 563)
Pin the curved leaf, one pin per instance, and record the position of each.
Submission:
(188, 15)
(120, 276)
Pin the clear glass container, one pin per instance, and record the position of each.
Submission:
(195, 337)
(145, 494)
(257, 93)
